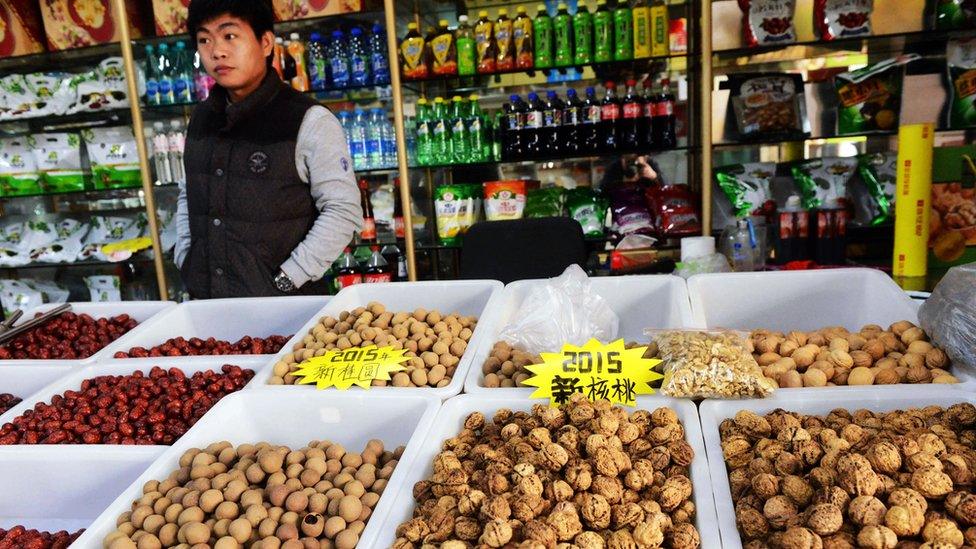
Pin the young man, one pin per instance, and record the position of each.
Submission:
(270, 197)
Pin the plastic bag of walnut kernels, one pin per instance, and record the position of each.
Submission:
(709, 364)
(768, 105)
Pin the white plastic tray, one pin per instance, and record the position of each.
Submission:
(466, 297)
(24, 381)
(451, 418)
(714, 411)
(294, 419)
(65, 489)
(641, 301)
(142, 311)
(72, 381)
(226, 319)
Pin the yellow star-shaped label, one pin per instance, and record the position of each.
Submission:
(596, 370)
(354, 366)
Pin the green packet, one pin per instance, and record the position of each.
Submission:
(588, 208)
(58, 157)
(879, 172)
(823, 181)
(456, 208)
(870, 98)
(113, 157)
(961, 67)
(748, 187)
(18, 170)
(546, 202)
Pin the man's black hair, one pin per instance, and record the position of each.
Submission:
(257, 13)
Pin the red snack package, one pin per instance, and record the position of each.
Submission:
(768, 22)
(675, 209)
(842, 18)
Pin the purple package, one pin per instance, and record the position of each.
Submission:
(630, 213)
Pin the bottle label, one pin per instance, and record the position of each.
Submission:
(543, 45)
(359, 70)
(340, 72)
(583, 29)
(440, 129)
(399, 228)
(564, 45)
(533, 119)
(593, 114)
(381, 69)
(649, 109)
(423, 130)
(503, 37)
(369, 229)
(552, 118)
(515, 122)
(357, 149)
(402, 269)
(660, 41)
(642, 32)
(372, 278)
(571, 116)
(346, 280)
(602, 37)
(152, 92)
(474, 126)
(466, 55)
(610, 112)
(523, 35)
(482, 34)
(413, 50)
(373, 148)
(441, 48)
(663, 108)
(165, 92)
(632, 110)
(182, 91)
(316, 71)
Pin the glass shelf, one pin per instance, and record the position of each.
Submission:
(90, 192)
(55, 60)
(140, 258)
(857, 136)
(554, 159)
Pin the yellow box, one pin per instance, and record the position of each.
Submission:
(913, 200)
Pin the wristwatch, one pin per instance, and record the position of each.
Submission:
(283, 283)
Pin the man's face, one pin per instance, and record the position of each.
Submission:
(231, 53)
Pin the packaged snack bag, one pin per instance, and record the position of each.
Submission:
(104, 288)
(452, 207)
(102, 88)
(768, 22)
(18, 169)
(588, 208)
(870, 98)
(504, 199)
(65, 247)
(548, 202)
(879, 172)
(58, 158)
(108, 230)
(842, 18)
(675, 209)
(961, 69)
(113, 157)
(630, 213)
(747, 187)
(768, 105)
(823, 181)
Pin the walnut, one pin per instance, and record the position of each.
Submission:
(867, 511)
(610, 488)
(943, 531)
(962, 507)
(834, 496)
(621, 539)
(931, 482)
(752, 424)
(970, 536)
(961, 415)
(539, 531)
(682, 536)
(840, 540)
(903, 521)
(470, 503)
(737, 451)
(626, 515)
(595, 511)
(752, 524)
(589, 540)
(467, 528)
(822, 477)
(787, 464)
(566, 523)
(779, 510)
(824, 518)
(921, 460)
(931, 443)
(527, 507)
(681, 452)
(676, 490)
(798, 490)
(413, 530)
(909, 499)
(856, 476)
(800, 538)
(554, 457)
(496, 533)
(876, 537)
(884, 457)
(765, 485)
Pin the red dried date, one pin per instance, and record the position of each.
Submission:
(19, 537)
(195, 346)
(8, 401)
(69, 336)
(153, 408)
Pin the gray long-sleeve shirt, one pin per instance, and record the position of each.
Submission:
(323, 161)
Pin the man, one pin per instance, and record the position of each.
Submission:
(270, 197)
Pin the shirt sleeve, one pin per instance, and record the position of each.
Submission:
(182, 229)
(323, 160)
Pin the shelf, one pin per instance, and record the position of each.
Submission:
(92, 192)
(64, 59)
(589, 158)
(141, 258)
(179, 109)
(866, 135)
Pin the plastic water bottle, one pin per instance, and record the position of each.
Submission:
(345, 120)
(177, 141)
(357, 145)
(182, 74)
(152, 77)
(317, 61)
(338, 60)
(165, 78)
(410, 128)
(389, 142)
(379, 64)
(160, 151)
(358, 57)
(374, 139)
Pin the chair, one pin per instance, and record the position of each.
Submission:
(522, 248)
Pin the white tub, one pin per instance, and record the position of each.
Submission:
(24, 381)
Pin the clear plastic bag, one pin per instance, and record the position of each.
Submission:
(563, 310)
(949, 317)
(709, 364)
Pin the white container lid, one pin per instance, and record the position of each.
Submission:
(697, 246)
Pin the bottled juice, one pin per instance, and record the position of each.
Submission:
(412, 54)
(660, 25)
(642, 29)
(524, 44)
(504, 42)
(466, 48)
(602, 33)
(278, 57)
(484, 35)
(443, 51)
(562, 25)
(623, 32)
(583, 34)
(543, 38)
(296, 50)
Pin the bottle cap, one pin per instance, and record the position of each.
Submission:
(442, 22)
(180, 45)
(356, 31)
(513, 98)
(411, 26)
(337, 34)
(550, 94)
(697, 246)
(589, 90)
(473, 97)
(456, 98)
(502, 11)
(631, 82)
(533, 96)
(570, 92)
(610, 85)
(347, 250)
(279, 40)
(375, 249)
(462, 19)
(164, 47)
(520, 9)
(438, 100)
(562, 6)
(149, 48)
(541, 7)
(793, 203)
(294, 36)
(483, 13)
(315, 37)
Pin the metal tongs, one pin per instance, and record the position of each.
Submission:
(8, 331)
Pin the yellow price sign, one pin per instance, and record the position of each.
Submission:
(354, 366)
(596, 370)
(132, 245)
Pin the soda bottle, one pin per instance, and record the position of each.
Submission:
(167, 96)
(630, 125)
(484, 35)
(152, 77)
(532, 134)
(642, 29)
(660, 23)
(459, 131)
(347, 271)
(571, 131)
(374, 140)
(479, 147)
(202, 82)
(466, 48)
(398, 224)
(357, 147)
(441, 151)
(392, 255)
(583, 34)
(665, 136)
(517, 135)
(379, 65)
(368, 233)
(443, 51)
(602, 33)
(524, 45)
(504, 42)
(387, 140)
(296, 51)
(552, 121)
(562, 25)
(377, 269)
(358, 58)
(424, 143)
(182, 74)
(413, 54)
(542, 27)
(278, 57)
(498, 135)
(650, 106)
(623, 32)
(339, 60)
(591, 128)
(316, 62)
(289, 68)
(610, 118)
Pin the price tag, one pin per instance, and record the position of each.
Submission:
(122, 250)
(354, 366)
(595, 370)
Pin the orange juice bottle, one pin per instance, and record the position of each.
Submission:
(296, 49)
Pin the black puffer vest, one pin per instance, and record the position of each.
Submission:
(248, 207)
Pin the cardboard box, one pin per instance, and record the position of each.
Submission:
(952, 235)
(287, 10)
(21, 32)
(170, 16)
(78, 23)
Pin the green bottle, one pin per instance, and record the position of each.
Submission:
(562, 25)
(602, 33)
(623, 26)
(459, 131)
(542, 28)
(440, 150)
(424, 138)
(479, 147)
(583, 32)
(466, 47)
